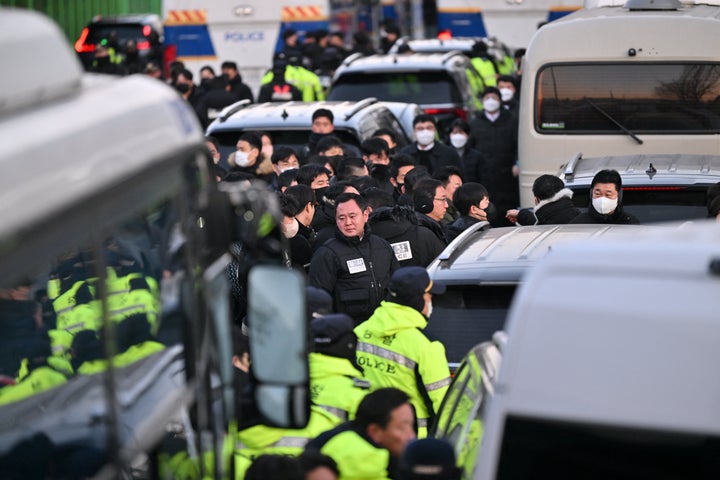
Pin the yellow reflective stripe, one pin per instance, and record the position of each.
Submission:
(297, 442)
(387, 354)
(118, 311)
(437, 385)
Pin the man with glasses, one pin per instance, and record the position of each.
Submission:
(428, 152)
(431, 203)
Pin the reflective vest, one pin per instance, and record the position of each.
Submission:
(507, 66)
(41, 379)
(303, 79)
(393, 352)
(487, 70)
(259, 439)
(137, 352)
(356, 458)
(336, 389)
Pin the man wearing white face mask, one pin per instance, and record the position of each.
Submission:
(247, 158)
(606, 201)
(508, 93)
(425, 150)
(471, 158)
(495, 133)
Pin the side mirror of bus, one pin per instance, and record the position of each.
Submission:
(276, 318)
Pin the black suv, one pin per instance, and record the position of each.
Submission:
(445, 85)
(145, 29)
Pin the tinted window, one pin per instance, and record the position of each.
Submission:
(467, 315)
(645, 98)
(124, 33)
(423, 87)
(657, 204)
(538, 449)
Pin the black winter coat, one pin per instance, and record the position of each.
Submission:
(437, 228)
(557, 210)
(413, 245)
(498, 143)
(460, 225)
(619, 216)
(434, 159)
(356, 272)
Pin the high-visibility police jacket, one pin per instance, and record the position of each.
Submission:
(394, 352)
(137, 352)
(304, 80)
(259, 439)
(38, 380)
(488, 70)
(357, 458)
(336, 389)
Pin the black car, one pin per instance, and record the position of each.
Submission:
(115, 31)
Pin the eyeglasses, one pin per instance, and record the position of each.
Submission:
(444, 200)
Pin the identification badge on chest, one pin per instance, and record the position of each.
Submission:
(356, 265)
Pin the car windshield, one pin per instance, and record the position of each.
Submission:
(124, 32)
(466, 315)
(421, 87)
(643, 98)
(657, 204)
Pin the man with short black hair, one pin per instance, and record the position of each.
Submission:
(355, 266)
(553, 204)
(472, 201)
(606, 201)
(241, 90)
(431, 202)
(371, 445)
(425, 150)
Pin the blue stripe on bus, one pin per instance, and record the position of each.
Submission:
(462, 24)
(191, 40)
(555, 14)
(388, 12)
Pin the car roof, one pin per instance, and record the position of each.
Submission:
(658, 169)
(503, 255)
(408, 61)
(288, 115)
(463, 44)
(125, 19)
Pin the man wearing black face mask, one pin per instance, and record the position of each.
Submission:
(184, 84)
(322, 126)
(399, 167)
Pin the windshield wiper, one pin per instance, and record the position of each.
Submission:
(618, 124)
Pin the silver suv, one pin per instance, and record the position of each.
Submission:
(289, 123)
(483, 267)
(445, 85)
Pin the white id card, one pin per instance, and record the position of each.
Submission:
(356, 265)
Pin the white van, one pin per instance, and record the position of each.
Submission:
(637, 79)
(609, 366)
(115, 312)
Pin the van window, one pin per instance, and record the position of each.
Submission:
(644, 98)
(424, 87)
(657, 204)
(467, 314)
(538, 449)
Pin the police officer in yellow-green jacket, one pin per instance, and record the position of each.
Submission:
(370, 447)
(306, 81)
(484, 63)
(394, 352)
(336, 389)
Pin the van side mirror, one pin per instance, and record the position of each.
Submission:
(278, 336)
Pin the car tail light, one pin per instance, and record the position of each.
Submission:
(169, 56)
(144, 45)
(445, 35)
(147, 30)
(458, 112)
(81, 46)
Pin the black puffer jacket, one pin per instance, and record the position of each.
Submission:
(413, 246)
(438, 229)
(356, 272)
(557, 210)
(619, 216)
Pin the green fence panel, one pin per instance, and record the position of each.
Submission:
(72, 16)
